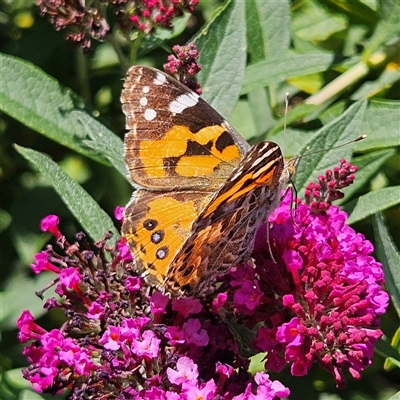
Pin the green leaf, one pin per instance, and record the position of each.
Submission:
(388, 26)
(371, 203)
(381, 124)
(268, 28)
(367, 165)
(338, 131)
(93, 219)
(389, 256)
(38, 101)
(291, 140)
(277, 70)
(242, 121)
(313, 22)
(103, 140)
(222, 46)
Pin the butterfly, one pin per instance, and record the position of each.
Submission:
(202, 190)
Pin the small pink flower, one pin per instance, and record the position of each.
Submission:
(111, 338)
(158, 302)
(219, 301)
(186, 306)
(194, 334)
(69, 278)
(133, 283)
(95, 311)
(148, 346)
(247, 297)
(42, 263)
(50, 224)
(119, 213)
(186, 370)
(175, 335)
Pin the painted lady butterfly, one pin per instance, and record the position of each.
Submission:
(202, 190)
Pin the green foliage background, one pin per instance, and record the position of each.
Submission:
(61, 131)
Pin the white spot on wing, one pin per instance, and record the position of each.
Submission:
(149, 114)
(159, 79)
(183, 101)
(143, 101)
(145, 89)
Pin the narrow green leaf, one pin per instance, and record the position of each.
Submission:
(388, 26)
(277, 70)
(367, 167)
(93, 219)
(268, 28)
(338, 131)
(38, 101)
(389, 256)
(103, 140)
(381, 124)
(312, 21)
(371, 203)
(222, 45)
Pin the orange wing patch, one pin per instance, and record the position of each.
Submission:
(156, 226)
(191, 154)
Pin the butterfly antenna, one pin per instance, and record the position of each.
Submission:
(357, 139)
(286, 110)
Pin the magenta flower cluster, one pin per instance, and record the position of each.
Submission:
(87, 20)
(316, 299)
(183, 66)
(148, 14)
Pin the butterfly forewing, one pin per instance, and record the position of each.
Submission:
(175, 139)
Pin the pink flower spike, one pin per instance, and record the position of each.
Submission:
(50, 224)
